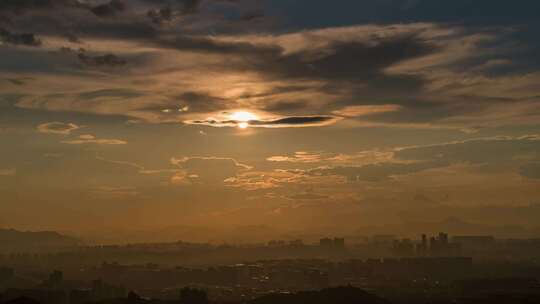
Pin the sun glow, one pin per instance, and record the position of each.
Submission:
(243, 118)
(243, 125)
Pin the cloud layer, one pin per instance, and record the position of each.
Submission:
(266, 112)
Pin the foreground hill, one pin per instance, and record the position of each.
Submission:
(339, 295)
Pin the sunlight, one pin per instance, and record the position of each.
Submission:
(243, 118)
(243, 125)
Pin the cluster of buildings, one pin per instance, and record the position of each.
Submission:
(440, 245)
(55, 290)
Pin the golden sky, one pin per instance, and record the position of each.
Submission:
(301, 116)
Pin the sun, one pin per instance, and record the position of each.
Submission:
(243, 118)
(243, 125)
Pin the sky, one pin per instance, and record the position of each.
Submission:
(276, 115)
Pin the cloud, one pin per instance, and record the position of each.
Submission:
(377, 172)
(208, 169)
(299, 157)
(342, 63)
(140, 169)
(91, 139)
(115, 192)
(518, 153)
(171, 10)
(108, 60)
(333, 159)
(281, 73)
(280, 178)
(20, 6)
(187, 161)
(8, 172)
(421, 75)
(307, 196)
(282, 122)
(26, 39)
(252, 15)
(162, 15)
(57, 128)
(253, 181)
(510, 150)
(110, 9)
(364, 110)
(476, 150)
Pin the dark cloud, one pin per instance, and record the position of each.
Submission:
(159, 16)
(252, 15)
(344, 68)
(108, 60)
(20, 6)
(118, 28)
(186, 6)
(351, 61)
(201, 102)
(282, 122)
(343, 61)
(286, 106)
(208, 45)
(27, 39)
(404, 11)
(188, 102)
(335, 73)
(171, 9)
(189, 6)
(294, 121)
(109, 9)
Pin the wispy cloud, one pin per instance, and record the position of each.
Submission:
(141, 169)
(365, 110)
(210, 170)
(57, 128)
(91, 139)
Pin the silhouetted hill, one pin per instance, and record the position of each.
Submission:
(25, 241)
(22, 300)
(339, 295)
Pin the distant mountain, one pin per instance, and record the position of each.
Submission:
(194, 234)
(25, 241)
